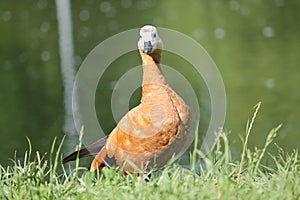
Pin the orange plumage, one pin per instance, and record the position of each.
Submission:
(150, 134)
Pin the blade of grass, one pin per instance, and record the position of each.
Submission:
(272, 134)
(194, 154)
(78, 148)
(51, 159)
(248, 130)
(57, 155)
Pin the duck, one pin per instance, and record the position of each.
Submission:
(150, 134)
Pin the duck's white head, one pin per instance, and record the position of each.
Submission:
(149, 40)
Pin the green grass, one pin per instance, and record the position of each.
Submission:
(219, 176)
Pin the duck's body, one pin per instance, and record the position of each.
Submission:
(150, 134)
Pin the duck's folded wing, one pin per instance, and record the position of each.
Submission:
(90, 150)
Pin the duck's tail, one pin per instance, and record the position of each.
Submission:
(90, 150)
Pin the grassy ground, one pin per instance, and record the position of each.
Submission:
(219, 176)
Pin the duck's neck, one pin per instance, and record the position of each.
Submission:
(152, 73)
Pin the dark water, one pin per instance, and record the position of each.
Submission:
(255, 44)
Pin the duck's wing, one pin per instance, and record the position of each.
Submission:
(90, 150)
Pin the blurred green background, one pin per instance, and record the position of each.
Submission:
(255, 44)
